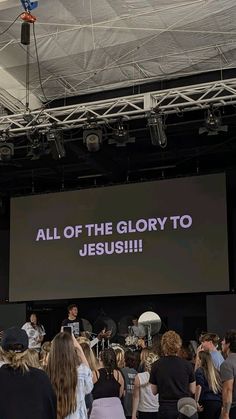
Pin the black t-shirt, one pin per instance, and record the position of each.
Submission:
(76, 324)
(172, 376)
(26, 395)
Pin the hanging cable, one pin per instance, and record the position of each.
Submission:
(27, 81)
(38, 65)
(9, 27)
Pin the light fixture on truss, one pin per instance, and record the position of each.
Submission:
(213, 123)
(6, 148)
(157, 129)
(56, 142)
(92, 135)
(120, 135)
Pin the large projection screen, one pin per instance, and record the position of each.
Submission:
(148, 238)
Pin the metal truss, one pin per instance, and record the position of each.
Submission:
(171, 101)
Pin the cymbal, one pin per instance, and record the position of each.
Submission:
(151, 319)
(104, 322)
(124, 323)
(87, 325)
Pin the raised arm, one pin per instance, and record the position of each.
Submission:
(135, 397)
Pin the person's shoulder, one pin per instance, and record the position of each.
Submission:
(65, 322)
(216, 355)
(199, 371)
(185, 364)
(25, 325)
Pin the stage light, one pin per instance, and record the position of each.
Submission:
(120, 135)
(6, 149)
(157, 129)
(56, 143)
(92, 137)
(36, 147)
(213, 123)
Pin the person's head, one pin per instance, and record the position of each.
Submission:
(135, 320)
(186, 351)
(170, 343)
(72, 310)
(33, 318)
(89, 355)
(229, 342)
(149, 360)
(108, 359)
(131, 359)
(120, 356)
(14, 348)
(209, 341)
(144, 353)
(62, 370)
(210, 372)
(44, 354)
(32, 358)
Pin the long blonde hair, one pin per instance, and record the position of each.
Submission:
(210, 372)
(32, 358)
(62, 370)
(89, 355)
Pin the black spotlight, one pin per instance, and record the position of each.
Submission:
(56, 143)
(92, 138)
(157, 129)
(120, 135)
(6, 151)
(213, 123)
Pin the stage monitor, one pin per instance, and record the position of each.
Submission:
(157, 237)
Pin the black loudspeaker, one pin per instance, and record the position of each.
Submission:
(25, 33)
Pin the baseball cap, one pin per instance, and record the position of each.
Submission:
(15, 339)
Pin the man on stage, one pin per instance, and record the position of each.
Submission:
(73, 321)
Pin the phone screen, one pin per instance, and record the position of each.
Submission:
(67, 329)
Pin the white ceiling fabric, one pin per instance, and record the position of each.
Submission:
(89, 46)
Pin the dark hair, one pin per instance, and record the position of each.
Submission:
(69, 308)
(108, 358)
(230, 337)
(131, 359)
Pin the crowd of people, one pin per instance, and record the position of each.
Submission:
(64, 379)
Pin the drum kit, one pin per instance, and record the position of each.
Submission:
(149, 321)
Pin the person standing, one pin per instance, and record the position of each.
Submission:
(209, 343)
(228, 376)
(171, 376)
(26, 392)
(70, 376)
(73, 320)
(208, 388)
(35, 332)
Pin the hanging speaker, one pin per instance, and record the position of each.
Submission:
(25, 33)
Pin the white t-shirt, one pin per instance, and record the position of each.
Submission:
(84, 386)
(34, 332)
(147, 401)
